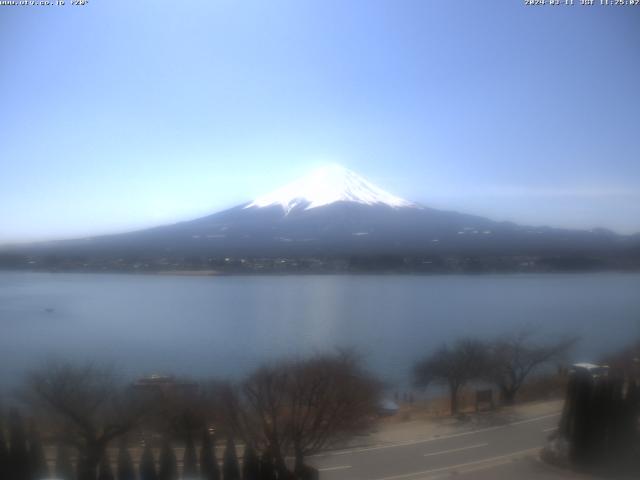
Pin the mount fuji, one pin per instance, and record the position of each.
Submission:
(325, 186)
(334, 212)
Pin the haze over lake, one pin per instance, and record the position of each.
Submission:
(226, 325)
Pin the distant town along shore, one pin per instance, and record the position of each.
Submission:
(429, 264)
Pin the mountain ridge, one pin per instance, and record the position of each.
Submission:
(335, 213)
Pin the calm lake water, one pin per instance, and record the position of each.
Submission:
(223, 326)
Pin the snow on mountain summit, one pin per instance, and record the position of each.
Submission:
(326, 185)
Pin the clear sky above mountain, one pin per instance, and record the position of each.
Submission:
(120, 115)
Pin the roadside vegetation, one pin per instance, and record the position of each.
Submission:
(86, 422)
(164, 429)
(505, 364)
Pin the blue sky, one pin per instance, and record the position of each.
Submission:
(121, 115)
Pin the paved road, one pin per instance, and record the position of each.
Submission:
(461, 453)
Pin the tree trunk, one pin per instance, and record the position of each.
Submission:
(299, 465)
(88, 462)
(454, 399)
(279, 464)
(507, 396)
(281, 467)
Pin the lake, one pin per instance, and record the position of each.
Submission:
(223, 326)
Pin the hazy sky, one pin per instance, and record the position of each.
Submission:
(122, 114)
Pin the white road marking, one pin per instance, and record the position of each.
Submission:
(442, 452)
(549, 429)
(433, 439)
(461, 465)
(529, 420)
(329, 469)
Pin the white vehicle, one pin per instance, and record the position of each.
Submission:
(596, 371)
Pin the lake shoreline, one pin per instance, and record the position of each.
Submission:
(307, 273)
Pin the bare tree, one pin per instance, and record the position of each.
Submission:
(453, 366)
(513, 358)
(262, 410)
(302, 406)
(86, 406)
(329, 398)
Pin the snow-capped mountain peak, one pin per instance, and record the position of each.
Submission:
(326, 185)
